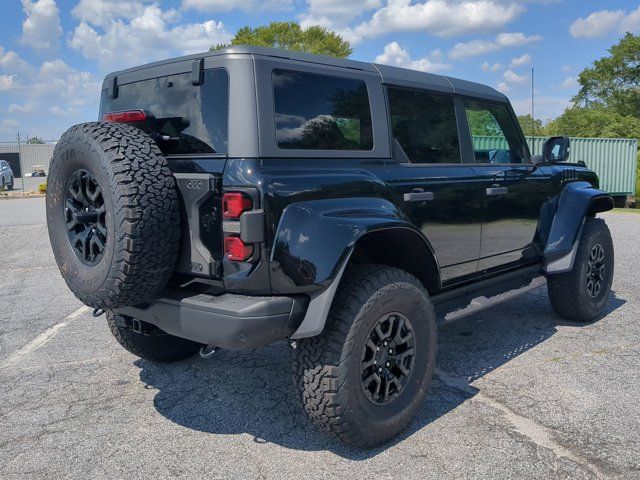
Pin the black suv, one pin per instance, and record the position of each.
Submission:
(240, 197)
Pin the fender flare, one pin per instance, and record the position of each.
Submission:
(314, 242)
(577, 201)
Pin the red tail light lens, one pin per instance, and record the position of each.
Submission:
(233, 204)
(236, 250)
(130, 116)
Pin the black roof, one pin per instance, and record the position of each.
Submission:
(389, 74)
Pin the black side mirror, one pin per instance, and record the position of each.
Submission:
(556, 149)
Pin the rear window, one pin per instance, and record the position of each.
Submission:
(321, 112)
(194, 118)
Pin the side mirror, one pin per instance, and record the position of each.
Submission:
(537, 159)
(556, 149)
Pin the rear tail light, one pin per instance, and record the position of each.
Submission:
(236, 250)
(129, 116)
(233, 204)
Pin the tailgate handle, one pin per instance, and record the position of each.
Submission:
(418, 196)
(497, 191)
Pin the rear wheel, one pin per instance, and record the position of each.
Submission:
(10, 184)
(582, 293)
(363, 379)
(149, 342)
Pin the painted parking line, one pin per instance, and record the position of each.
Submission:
(41, 339)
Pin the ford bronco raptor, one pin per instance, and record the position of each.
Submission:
(240, 197)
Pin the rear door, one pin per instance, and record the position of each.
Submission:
(513, 190)
(441, 196)
(189, 121)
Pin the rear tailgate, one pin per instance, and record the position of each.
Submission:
(189, 123)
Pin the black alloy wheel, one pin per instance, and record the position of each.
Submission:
(596, 269)
(85, 213)
(387, 358)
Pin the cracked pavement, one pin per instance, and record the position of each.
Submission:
(518, 393)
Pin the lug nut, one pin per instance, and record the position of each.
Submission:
(391, 351)
(388, 364)
(375, 362)
(379, 369)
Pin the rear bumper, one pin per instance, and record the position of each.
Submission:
(233, 322)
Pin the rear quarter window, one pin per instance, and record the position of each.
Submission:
(195, 118)
(321, 112)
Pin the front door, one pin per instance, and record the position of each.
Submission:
(442, 197)
(514, 191)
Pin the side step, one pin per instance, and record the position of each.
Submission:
(467, 300)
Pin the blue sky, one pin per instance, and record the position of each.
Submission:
(54, 53)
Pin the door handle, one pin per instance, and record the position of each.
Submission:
(497, 191)
(418, 196)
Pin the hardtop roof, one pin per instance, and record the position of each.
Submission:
(389, 74)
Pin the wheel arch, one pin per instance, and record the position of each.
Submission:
(577, 202)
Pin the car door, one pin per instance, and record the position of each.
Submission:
(441, 196)
(514, 190)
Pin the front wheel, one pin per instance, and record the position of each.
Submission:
(582, 293)
(363, 379)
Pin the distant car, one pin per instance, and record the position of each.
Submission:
(38, 171)
(6, 175)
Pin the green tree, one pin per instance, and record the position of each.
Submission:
(528, 128)
(614, 80)
(35, 140)
(290, 36)
(597, 121)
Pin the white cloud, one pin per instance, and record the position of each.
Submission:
(480, 47)
(103, 12)
(65, 112)
(570, 82)
(487, 67)
(503, 87)
(566, 68)
(600, 23)
(520, 61)
(11, 61)
(335, 14)
(9, 125)
(21, 109)
(7, 82)
(395, 55)
(210, 6)
(546, 108)
(513, 78)
(41, 29)
(151, 36)
(631, 22)
(442, 18)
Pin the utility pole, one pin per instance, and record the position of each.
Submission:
(533, 118)
(20, 163)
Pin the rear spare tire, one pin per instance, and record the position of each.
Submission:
(113, 214)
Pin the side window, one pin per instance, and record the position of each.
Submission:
(494, 133)
(424, 126)
(321, 112)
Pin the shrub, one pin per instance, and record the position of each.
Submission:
(43, 187)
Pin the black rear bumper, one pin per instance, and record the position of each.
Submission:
(233, 322)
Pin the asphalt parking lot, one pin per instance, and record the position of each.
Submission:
(519, 393)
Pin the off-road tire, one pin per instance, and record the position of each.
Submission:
(163, 348)
(142, 216)
(327, 369)
(568, 291)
